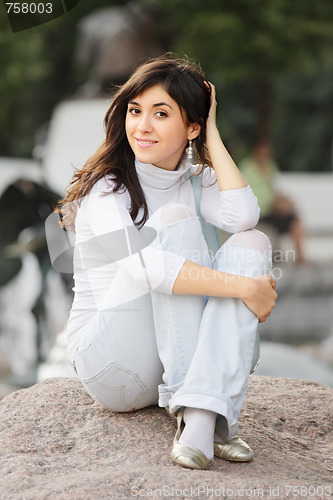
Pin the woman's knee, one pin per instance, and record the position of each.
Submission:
(254, 239)
(168, 215)
(176, 212)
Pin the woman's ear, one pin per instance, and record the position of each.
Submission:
(193, 131)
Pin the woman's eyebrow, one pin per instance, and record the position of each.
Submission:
(134, 103)
(162, 104)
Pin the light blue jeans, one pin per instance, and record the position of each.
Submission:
(178, 350)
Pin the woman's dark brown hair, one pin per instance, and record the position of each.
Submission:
(184, 81)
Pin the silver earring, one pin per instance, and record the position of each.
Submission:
(189, 151)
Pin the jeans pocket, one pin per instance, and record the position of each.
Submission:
(115, 387)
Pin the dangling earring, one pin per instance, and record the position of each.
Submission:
(189, 151)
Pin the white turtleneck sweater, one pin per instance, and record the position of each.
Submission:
(104, 237)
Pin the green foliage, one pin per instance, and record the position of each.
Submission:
(21, 60)
(303, 123)
(259, 54)
(247, 37)
(271, 61)
(37, 71)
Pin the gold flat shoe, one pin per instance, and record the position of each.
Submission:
(171, 415)
(235, 450)
(185, 455)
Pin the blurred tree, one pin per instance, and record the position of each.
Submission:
(23, 65)
(302, 126)
(259, 53)
(37, 70)
(249, 47)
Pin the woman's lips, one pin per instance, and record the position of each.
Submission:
(145, 143)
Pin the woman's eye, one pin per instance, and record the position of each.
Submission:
(134, 111)
(161, 114)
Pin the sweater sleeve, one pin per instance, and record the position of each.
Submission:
(232, 210)
(107, 236)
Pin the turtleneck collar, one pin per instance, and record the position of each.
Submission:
(158, 178)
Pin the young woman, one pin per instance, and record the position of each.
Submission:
(155, 316)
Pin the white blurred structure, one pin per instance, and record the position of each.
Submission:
(17, 323)
(57, 364)
(75, 132)
(12, 169)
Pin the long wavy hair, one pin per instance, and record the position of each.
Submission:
(185, 82)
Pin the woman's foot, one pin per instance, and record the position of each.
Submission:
(235, 450)
(199, 430)
(193, 445)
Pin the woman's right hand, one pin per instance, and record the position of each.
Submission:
(261, 296)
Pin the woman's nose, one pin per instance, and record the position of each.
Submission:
(145, 124)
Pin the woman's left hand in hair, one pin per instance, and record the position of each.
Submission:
(211, 119)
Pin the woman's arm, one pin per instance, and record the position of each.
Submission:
(232, 210)
(227, 174)
(257, 293)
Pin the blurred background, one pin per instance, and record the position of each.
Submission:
(272, 64)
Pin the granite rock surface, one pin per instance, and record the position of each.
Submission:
(56, 443)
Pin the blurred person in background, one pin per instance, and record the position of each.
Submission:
(259, 170)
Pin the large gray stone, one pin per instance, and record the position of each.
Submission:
(56, 443)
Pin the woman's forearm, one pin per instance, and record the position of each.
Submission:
(258, 293)
(194, 279)
(227, 174)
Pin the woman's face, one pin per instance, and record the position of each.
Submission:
(156, 129)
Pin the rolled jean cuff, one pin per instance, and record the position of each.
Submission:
(166, 392)
(220, 405)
